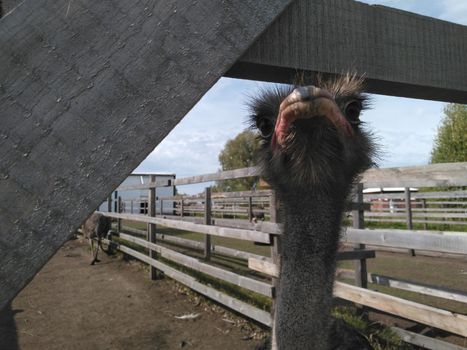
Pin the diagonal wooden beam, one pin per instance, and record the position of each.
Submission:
(87, 90)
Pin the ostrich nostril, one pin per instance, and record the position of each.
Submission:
(302, 93)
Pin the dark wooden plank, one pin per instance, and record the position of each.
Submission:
(88, 89)
(400, 53)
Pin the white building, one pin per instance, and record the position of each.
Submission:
(135, 201)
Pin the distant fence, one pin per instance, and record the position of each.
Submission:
(269, 232)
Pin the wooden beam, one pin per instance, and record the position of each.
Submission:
(146, 186)
(442, 319)
(242, 194)
(420, 195)
(424, 341)
(264, 266)
(437, 241)
(248, 235)
(222, 175)
(425, 289)
(400, 53)
(88, 89)
(433, 175)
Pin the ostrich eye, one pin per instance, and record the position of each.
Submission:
(352, 111)
(265, 126)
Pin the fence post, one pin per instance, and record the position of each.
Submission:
(408, 212)
(119, 210)
(131, 207)
(162, 207)
(361, 275)
(207, 221)
(250, 208)
(115, 201)
(181, 207)
(275, 247)
(153, 273)
(425, 225)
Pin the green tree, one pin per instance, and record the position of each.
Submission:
(450, 144)
(239, 152)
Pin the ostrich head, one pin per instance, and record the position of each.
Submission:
(312, 137)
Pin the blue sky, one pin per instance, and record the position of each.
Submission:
(405, 127)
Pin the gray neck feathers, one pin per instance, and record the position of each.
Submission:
(312, 223)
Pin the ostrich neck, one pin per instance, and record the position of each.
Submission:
(308, 257)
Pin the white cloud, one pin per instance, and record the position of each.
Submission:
(454, 11)
(193, 146)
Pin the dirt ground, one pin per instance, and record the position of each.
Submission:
(113, 305)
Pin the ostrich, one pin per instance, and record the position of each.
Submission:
(312, 149)
(96, 226)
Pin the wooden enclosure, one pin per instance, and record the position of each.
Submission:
(166, 247)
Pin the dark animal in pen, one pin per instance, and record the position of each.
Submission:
(257, 215)
(97, 227)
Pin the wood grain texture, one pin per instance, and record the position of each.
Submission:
(424, 341)
(436, 241)
(425, 289)
(249, 235)
(432, 175)
(438, 318)
(400, 53)
(88, 89)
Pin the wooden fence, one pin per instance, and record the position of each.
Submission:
(430, 210)
(269, 232)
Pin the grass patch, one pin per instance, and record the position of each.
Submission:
(380, 337)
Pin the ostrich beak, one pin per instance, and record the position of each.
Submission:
(308, 102)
